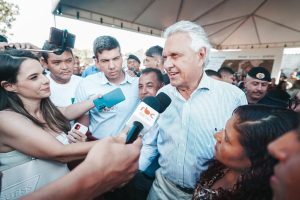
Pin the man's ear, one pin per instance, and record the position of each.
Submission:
(202, 53)
(97, 64)
(8, 86)
(44, 63)
(246, 83)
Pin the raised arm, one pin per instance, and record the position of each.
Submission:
(109, 164)
(77, 110)
(32, 140)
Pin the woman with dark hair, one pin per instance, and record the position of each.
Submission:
(31, 126)
(242, 167)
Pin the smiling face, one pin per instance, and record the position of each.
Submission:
(229, 150)
(148, 85)
(110, 63)
(31, 81)
(183, 65)
(60, 66)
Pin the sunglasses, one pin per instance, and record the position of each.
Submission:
(293, 103)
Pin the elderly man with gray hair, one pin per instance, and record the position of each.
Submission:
(108, 58)
(200, 107)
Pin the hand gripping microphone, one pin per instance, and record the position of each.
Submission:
(146, 114)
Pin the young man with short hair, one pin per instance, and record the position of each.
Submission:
(63, 83)
(112, 120)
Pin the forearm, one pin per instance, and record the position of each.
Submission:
(74, 151)
(74, 111)
(78, 184)
(109, 164)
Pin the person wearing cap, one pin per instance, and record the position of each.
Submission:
(133, 65)
(154, 59)
(213, 74)
(256, 84)
(227, 74)
(108, 58)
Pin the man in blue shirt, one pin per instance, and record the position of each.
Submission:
(150, 81)
(200, 106)
(89, 71)
(108, 58)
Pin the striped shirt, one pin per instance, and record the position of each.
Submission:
(185, 140)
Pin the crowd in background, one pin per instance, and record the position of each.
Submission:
(222, 137)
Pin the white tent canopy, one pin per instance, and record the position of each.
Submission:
(228, 23)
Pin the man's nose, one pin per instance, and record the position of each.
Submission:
(64, 65)
(144, 90)
(168, 64)
(111, 64)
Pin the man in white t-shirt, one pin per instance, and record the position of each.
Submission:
(109, 60)
(63, 83)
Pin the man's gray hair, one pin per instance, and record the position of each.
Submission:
(198, 36)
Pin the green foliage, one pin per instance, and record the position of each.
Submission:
(8, 11)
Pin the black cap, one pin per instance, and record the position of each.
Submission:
(134, 58)
(260, 73)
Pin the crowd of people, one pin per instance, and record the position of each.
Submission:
(214, 141)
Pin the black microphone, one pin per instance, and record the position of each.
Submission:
(134, 132)
(146, 114)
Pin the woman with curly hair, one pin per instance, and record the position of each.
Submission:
(242, 167)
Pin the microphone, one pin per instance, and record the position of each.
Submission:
(134, 132)
(146, 115)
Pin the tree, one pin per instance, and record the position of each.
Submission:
(8, 11)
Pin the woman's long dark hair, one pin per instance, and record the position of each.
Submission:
(10, 63)
(257, 125)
